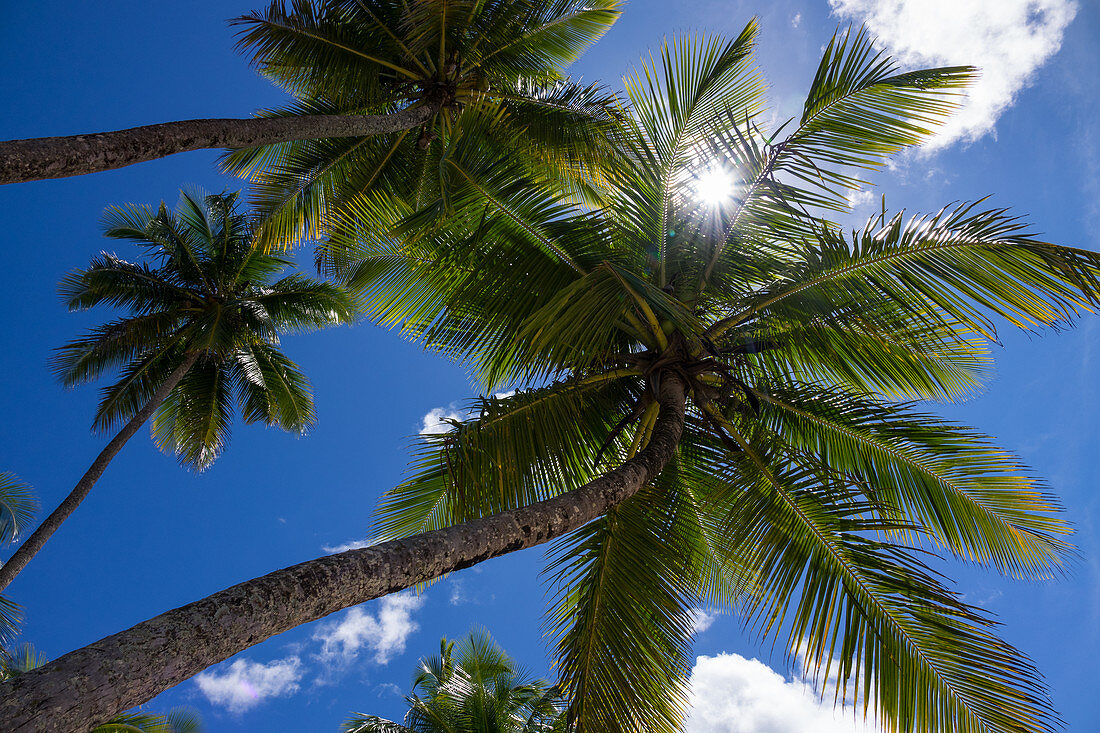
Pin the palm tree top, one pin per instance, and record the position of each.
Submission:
(473, 688)
(384, 52)
(807, 482)
(502, 60)
(204, 290)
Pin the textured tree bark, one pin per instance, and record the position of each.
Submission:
(50, 524)
(90, 685)
(37, 158)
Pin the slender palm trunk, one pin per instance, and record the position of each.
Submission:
(38, 538)
(37, 158)
(92, 684)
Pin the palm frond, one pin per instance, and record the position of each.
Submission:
(17, 507)
(195, 420)
(869, 612)
(623, 617)
(967, 495)
(514, 451)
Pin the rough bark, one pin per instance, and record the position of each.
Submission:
(37, 158)
(38, 538)
(92, 684)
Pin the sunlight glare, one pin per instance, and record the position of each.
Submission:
(714, 187)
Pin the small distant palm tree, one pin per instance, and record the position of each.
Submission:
(202, 333)
(180, 720)
(479, 689)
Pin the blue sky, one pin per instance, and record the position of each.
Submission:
(153, 536)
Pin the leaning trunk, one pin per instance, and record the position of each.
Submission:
(74, 155)
(94, 683)
(38, 538)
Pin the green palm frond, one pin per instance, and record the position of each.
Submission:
(471, 685)
(868, 612)
(363, 723)
(967, 495)
(194, 421)
(675, 107)
(857, 349)
(961, 262)
(17, 506)
(623, 615)
(272, 389)
(514, 451)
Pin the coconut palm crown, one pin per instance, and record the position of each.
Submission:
(211, 296)
(495, 59)
(474, 689)
(808, 487)
(201, 334)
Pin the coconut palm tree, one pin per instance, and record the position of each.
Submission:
(18, 661)
(479, 689)
(716, 403)
(359, 71)
(202, 332)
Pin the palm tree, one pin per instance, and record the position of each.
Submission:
(359, 70)
(15, 662)
(753, 371)
(494, 62)
(203, 331)
(479, 690)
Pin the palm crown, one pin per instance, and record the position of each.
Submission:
(475, 689)
(807, 485)
(483, 59)
(211, 298)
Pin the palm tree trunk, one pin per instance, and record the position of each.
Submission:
(92, 684)
(37, 158)
(38, 538)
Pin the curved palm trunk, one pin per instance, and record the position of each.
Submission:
(37, 158)
(38, 538)
(91, 684)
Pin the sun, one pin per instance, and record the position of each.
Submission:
(714, 187)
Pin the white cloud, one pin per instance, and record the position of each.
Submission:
(388, 688)
(435, 422)
(383, 635)
(731, 694)
(353, 545)
(859, 197)
(1008, 39)
(702, 619)
(245, 684)
(458, 592)
(796, 20)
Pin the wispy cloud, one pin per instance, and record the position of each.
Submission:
(383, 635)
(731, 694)
(1008, 39)
(702, 619)
(352, 545)
(244, 684)
(796, 20)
